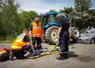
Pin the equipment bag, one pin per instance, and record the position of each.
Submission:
(4, 54)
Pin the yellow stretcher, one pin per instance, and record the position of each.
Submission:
(51, 50)
(42, 54)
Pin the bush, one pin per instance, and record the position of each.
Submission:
(85, 22)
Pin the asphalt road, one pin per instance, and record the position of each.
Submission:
(81, 56)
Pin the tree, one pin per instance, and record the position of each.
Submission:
(27, 17)
(82, 5)
(92, 12)
(52, 10)
(41, 17)
(10, 21)
(67, 10)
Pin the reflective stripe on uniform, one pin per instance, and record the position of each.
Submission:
(16, 47)
(19, 43)
(37, 35)
(66, 52)
(36, 26)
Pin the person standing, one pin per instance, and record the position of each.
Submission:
(36, 33)
(63, 36)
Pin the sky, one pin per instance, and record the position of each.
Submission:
(42, 6)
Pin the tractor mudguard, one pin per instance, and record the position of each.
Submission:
(51, 24)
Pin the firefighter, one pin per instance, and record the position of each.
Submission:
(37, 33)
(63, 36)
(20, 45)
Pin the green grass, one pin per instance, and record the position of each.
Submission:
(7, 41)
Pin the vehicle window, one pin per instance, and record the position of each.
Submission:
(49, 19)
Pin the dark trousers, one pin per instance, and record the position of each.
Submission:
(20, 53)
(36, 43)
(63, 43)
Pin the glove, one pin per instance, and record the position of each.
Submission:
(34, 53)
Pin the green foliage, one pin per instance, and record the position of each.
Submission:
(52, 10)
(27, 17)
(82, 5)
(85, 22)
(41, 17)
(66, 10)
(91, 12)
(10, 24)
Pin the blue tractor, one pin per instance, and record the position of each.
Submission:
(50, 25)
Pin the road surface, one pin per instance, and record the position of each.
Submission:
(81, 56)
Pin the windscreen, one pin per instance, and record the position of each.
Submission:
(49, 19)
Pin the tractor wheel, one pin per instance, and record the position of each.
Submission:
(92, 41)
(51, 35)
(75, 33)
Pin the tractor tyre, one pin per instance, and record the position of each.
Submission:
(75, 33)
(51, 35)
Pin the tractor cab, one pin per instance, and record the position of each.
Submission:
(49, 19)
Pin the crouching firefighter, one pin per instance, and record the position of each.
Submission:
(63, 36)
(20, 45)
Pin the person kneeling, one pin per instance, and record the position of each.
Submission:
(20, 45)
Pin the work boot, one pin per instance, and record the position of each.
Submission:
(21, 56)
(66, 57)
(62, 57)
(11, 56)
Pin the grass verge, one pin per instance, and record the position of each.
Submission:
(7, 41)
